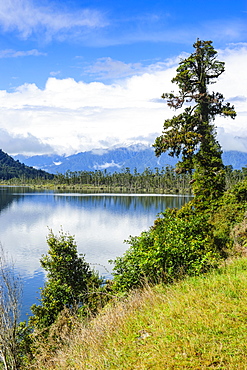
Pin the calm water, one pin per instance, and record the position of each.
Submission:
(99, 222)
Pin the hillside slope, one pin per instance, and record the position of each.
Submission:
(199, 323)
(10, 168)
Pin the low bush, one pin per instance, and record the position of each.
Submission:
(175, 246)
(227, 217)
(70, 281)
(182, 242)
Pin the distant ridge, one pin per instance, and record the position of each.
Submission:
(112, 160)
(11, 168)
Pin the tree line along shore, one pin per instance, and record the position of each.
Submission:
(164, 180)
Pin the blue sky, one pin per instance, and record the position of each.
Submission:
(81, 75)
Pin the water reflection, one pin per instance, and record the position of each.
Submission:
(129, 202)
(100, 224)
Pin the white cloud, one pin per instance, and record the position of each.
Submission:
(233, 84)
(55, 73)
(230, 141)
(72, 116)
(220, 30)
(28, 18)
(48, 20)
(107, 165)
(108, 68)
(9, 53)
(224, 29)
(27, 144)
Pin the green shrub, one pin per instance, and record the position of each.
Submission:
(186, 241)
(230, 212)
(175, 246)
(70, 281)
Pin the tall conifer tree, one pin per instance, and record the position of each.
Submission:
(191, 134)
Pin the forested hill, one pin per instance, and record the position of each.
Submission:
(10, 168)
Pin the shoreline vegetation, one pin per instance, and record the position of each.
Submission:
(160, 181)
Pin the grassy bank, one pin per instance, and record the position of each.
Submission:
(198, 323)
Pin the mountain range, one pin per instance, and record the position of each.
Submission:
(135, 156)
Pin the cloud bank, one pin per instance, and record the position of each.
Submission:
(25, 144)
(68, 116)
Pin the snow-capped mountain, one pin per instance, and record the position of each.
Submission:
(138, 157)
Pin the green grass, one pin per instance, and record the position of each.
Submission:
(199, 323)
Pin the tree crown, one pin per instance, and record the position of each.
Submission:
(192, 133)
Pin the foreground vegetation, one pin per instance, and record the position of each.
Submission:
(198, 323)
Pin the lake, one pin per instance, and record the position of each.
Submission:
(99, 222)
